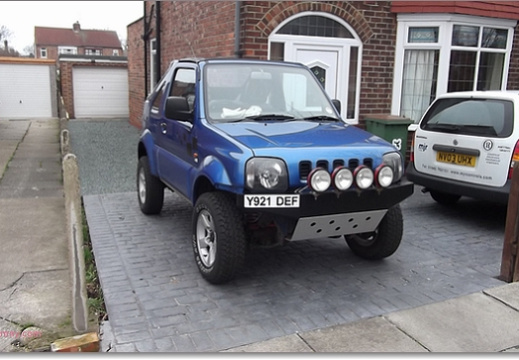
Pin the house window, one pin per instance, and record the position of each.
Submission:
(115, 52)
(447, 53)
(43, 53)
(313, 25)
(97, 52)
(68, 50)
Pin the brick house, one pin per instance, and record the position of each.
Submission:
(377, 57)
(49, 43)
(93, 75)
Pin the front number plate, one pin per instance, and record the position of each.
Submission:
(271, 201)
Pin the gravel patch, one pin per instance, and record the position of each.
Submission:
(107, 154)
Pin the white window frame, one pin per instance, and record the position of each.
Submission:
(43, 53)
(69, 50)
(92, 51)
(445, 24)
(153, 61)
(115, 52)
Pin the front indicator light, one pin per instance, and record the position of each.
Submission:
(363, 177)
(319, 180)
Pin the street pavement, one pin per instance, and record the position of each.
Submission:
(35, 282)
(439, 292)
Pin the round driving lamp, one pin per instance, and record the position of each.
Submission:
(363, 177)
(342, 178)
(319, 180)
(384, 176)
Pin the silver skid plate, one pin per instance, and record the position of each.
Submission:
(337, 224)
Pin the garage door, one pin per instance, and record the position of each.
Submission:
(100, 92)
(25, 91)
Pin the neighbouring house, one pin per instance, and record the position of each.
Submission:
(377, 57)
(49, 42)
(93, 71)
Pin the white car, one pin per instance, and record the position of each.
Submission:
(466, 144)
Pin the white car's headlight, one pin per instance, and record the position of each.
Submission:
(394, 160)
(266, 174)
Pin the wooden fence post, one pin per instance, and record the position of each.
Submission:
(509, 261)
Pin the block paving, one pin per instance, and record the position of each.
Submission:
(157, 301)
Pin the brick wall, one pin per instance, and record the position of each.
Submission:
(136, 87)
(188, 29)
(66, 80)
(513, 72)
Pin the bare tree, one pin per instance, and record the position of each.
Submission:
(5, 33)
(28, 51)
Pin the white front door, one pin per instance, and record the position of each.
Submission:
(327, 62)
(323, 63)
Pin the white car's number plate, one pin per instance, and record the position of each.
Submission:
(271, 201)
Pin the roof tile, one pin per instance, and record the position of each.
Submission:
(82, 38)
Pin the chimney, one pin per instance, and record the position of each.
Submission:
(76, 26)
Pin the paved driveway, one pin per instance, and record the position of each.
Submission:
(157, 301)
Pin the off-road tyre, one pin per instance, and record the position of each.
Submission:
(219, 239)
(444, 198)
(384, 241)
(150, 190)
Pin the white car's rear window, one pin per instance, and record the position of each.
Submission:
(481, 117)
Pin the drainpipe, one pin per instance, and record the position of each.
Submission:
(145, 38)
(157, 26)
(237, 37)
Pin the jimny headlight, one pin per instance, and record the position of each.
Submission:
(394, 161)
(268, 174)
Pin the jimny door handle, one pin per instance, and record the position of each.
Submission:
(163, 128)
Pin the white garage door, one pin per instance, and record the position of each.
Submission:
(100, 92)
(25, 91)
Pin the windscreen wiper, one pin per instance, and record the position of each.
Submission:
(480, 129)
(443, 127)
(321, 118)
(270, 117)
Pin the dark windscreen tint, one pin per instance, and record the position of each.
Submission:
(492, 118)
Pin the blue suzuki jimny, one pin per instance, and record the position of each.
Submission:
(264, 157)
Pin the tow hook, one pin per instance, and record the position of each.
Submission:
(425, 190)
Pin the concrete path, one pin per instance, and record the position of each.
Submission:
(35, 282)
(480, 322)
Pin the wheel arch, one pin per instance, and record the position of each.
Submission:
(214, 176)
(144, 148)
(201, 186)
